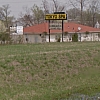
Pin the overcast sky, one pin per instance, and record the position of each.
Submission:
(16, 6)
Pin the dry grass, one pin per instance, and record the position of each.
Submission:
(49, 71)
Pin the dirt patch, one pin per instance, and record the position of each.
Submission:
(14, 63)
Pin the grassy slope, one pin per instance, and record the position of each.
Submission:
(49, 71)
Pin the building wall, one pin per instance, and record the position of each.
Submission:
(38, 38)
(52, 38)
(68, 38)
(55, 37)
(33, 39)
(88, 37)
(26, 39)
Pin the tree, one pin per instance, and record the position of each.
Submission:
(79, 4)
(5, 15)
(26, 18)
(38, 14)
(91, 15)
(31, 16)
(2, 27)
(45, 7)
(73, 14)
(5, 38)
(55, 6)
(94, 10)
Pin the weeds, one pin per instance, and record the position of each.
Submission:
(49, 71)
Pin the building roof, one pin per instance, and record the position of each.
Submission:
(68, 27)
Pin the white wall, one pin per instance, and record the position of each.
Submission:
(33, 38)
(52, 38)
(88, 37)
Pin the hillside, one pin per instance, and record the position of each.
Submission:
(50, 71)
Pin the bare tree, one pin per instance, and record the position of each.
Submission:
(5, 12)
(94, 10)
(79, 4)
(73, 14)
(91, 15)
(45, 7)
(38, 14)
(55, 6)
(31, 16)
(26, 18)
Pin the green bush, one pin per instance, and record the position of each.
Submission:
(5, 37)
(58, 38)
(75, 37)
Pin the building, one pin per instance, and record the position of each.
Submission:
(40, 33)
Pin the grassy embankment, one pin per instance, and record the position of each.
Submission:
(49, 71)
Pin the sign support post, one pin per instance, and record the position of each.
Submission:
(49, 30)
(62, 30)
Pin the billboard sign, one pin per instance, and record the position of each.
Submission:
(12, 29)
(56, 17)
(57, 25)
(20, 30)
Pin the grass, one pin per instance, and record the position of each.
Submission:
(50, 71)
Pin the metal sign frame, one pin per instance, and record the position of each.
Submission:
(56, 16)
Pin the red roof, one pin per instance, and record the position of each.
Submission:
(68, 27)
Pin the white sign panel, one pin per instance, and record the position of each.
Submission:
(57, 25)
(12, 28)
(19, 29)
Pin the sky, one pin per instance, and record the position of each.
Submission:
(16, 6)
